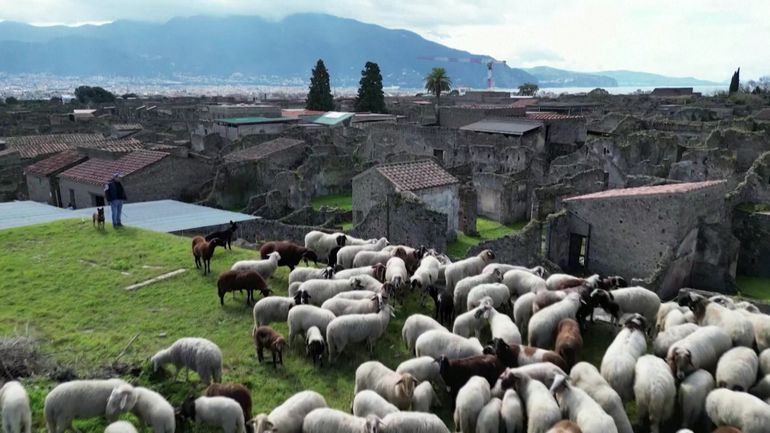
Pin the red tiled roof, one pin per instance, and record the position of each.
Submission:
(261, 151)
(413, 176)
(674, 188)
(297, 112)
(32, 146)
(100, 171)
(123, 145)
(550, 115)
(55, 163)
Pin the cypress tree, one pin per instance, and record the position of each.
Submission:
(370, 95)
(735, 82)
(319, 97)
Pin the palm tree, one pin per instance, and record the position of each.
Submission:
(436, 82)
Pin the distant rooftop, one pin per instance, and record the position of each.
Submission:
(254, 120)
(32, 146)
(126, 126)
(263, 150)
(51, 165)
(674, 188)
(299, 112)
(550, 115)
(672, 91)
(414, 176)
(100, 171)
(333, 118)
(503, 126)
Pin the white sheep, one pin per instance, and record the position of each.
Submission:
(426, 273)
(14, 408)
(586, 377)
(414, 326)
(692, 396)
(503, 268)
(265, 268)
(320, 291)
(738, 327)
(463, 286)
(667, 338)
(502, 327)
(413, 422)
(565, 281)
(197, 354)
(322, 243)
(77, 399)
(543, 324)
(498, 292)
(471, 322)
(120, 427)
(368, 402)
(663, 310)
(371, 271)
(357, 328)
(620, 358)
(512, 412)
(222, 412)
(303, 317)
(395, 272)
(737, 369)
(342, 306)
(423, 368)
(315, 344)
(541, 408)
(520, 282)
(288, 416)
(149, 406)
(397, 388)
(488, 420)
(300, 275)
(701, 349)
(347, 253)
(522, 311)
(272, 309)
(748, 306)
(631, 300)
(738, 409)
(471, 399)
(543, 372)
(334, 421)
(764, 361)
(579, 407)
(761, 324)
(466, 268)
(371, 258)
(435, 343)
(655, 391)
(423, 397)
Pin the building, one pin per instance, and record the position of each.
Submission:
(36, 147)
(234, 128)
(334, 118)
(428, 181)
(121, 130)
(673, 92)
(223, 111)
(42, 176)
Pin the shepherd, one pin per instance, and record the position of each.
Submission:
(115, 195)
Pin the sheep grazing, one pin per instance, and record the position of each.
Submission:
(341, 306)
(543, 324)
(738, 409)
(579, 407)
(655, 391)
(692, 397)
(520, 282)
(488, 420)
(290, 253)
(467, 268)
(471, 399)
(120, 427)
(150, 407)
(230, 281)
(423, 369)
(498, 295)
(314, 345)
(502, 327)
(436, 342)
(541, 408)
(707, 313)
(222, 412)
(414, 326)
(197, 354)
(289, 415)
(465, 285)
(266, 337)
(413, 422)
(266, 268)
(375, 271)
(74, 400)
(235, 391)
(333, 421)
(397, 388)
(225, 235)
(411, 256)
(423, 397)
(14, 408)
(701, 349)
(368, 402)
(443, 305)
(522, 311)
(667, 338)
(568, 341)
(319, 291)
(275, 309)
(737, 369)
(347, 253)
(515, 355)
(512, 412)
(300, 275)
(628, 300)
(456, 372)
(357, 328)
(426, 274)
(543, 372)
(396, 274)
(203, 250)
(620, 357)
(303, 317)
(471, 322)
(586, 377)
(322, 243)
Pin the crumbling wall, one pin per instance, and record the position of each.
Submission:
(502, 198)
(11, 175)
(522, 248)
(753, 231)
(548, 199)
(468, 210)
(755, 187)
(746, 145)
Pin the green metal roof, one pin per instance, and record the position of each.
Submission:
(333, 118)
(255, 120)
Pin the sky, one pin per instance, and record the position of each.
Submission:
(706, 39)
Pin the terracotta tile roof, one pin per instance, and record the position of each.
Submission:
(261, 151)
(100, 171)
(413, 176)
(674, 188)
(123, 145)
(550, 115)
(55, 163)
(32, 146)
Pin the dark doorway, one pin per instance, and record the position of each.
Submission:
(439, 155)
(97, 200)
(578, 252)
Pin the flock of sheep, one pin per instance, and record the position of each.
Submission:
(709, 363)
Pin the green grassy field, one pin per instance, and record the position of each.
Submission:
(344, 202)
(754, 287)
(488, 229)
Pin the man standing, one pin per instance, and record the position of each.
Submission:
(115, 195)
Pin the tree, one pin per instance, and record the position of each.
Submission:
(370, 95)
(735, 82)
(96, 94)
(436, 82)
(528, 89)
(11, 100)
(319, 97)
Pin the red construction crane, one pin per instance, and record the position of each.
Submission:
(488, 61)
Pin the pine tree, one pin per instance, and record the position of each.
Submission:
(320, 95)
(735, 83)
(370, 96)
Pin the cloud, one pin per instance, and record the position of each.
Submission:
(531, 55)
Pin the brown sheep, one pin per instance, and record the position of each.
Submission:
(203, 251)
(266, 337)
(230, 281)
(235, 391)
(226, 234)
(569, 342)
(565, 426)
(456, 372)
(516, 355)
(291, 253)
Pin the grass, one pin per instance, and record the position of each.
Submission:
(344, 202)
(754, 287)
(488, 230)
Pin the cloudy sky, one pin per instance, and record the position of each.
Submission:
(702, 38)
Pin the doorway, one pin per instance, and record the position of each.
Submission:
(97, 200)
(578, 253)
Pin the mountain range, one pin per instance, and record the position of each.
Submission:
(259, 51)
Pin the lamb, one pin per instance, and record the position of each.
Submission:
(701, 349)
(488, 420)
(423, 397)
(426, 274)
(444, 304)
(342, 306)
(586, 377)
(629, 300)
(655, 391)
(333, 421)
(288, 417)
(413, 422)
(466, 268)
(300, 275)
(290, 253)
(274, 309)
(319, 291)
(375, 271)
(515, 355)
(347, 253)
(739, 328)
(357, 328)
(743, 411)
(499, 294)
(14, 408)
(395, 273)
(120, 427)
(665, 339)
(368, 402)
(541, 408)
(197, 354)
(222, 412)
(266, 268)
(512, 412)
(502, 327)
(230, 281)
(235, 391)
(226, 235)
(621, 356)
(203, 250)
(456, 372)
(543, 324)
(579, 407)
(303, 317)
(737, 369)
(322, 243)
(472, 322)
(423, 369)
(569, 341)
(520, 282)
(463, 286)
(692, 397)
(471, 399)
(414, 326)
(76, 399)
(266, 337)
(522, 311)
(397, 388)
(761, 324)
(150, 407)
(435, 343)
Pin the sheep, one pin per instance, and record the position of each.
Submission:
(395, 272)
(515, 355)
(586, 377)
(230, 281)
(444, 304)
(502, 327)
(203, 250)
(764, 362)
(655, 391)
(435, 343)
(629, 300)
(371, 258)
(761, 324)
(150, 407)
(303, 317)
(300, 275)
(77, 399)
(739, 328)
(289, 415)
(266, 268)
(414, 326)
(503, 268)
(375, 271)
(266, 337)
(315, 345)
(14, 408)
(701, 349)
(512, 412)
(120, 427)
(423, 368)
(357, 328)
(222, 412)
(235, 391)
(499, 294)
(326, 420)
(543, 372)
(747, 306)
(663, 310)
(347, 253)
(463, 286)
(197, 354)
(692, 396)
(579, 407)
(568, 342)
(620, 358)
(368, 402)
(488, 420)
(226, 235)
(520, 282)
(565, 281)
(290, 253)
(322, 243)
(342, 306)
(541, 408)
(738, 409)
(471, 399)
(274, 309)
(467, 268)
(737, 369)
(543, 324)
(522, 311)
(413, 422)
(673, 318)
(319, 291)
(565, 426)
(456, 372)
(665, 339)
(411, 256)
(423, 397)
(426, 273)
(397, 388)
(472, 322)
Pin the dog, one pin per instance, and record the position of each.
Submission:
(98, 218)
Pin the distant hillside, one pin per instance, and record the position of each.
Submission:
(552, 77)
(632, 78)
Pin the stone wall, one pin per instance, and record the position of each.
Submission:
(39, 189)
(446, 200)
(468, 210)
(753, 231)
(261, 230)
(548, 199)
(755, 187)
(456, 117)
(522, 248)
(11, 175)
(502, 198)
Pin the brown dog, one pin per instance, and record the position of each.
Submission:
(98, 218)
